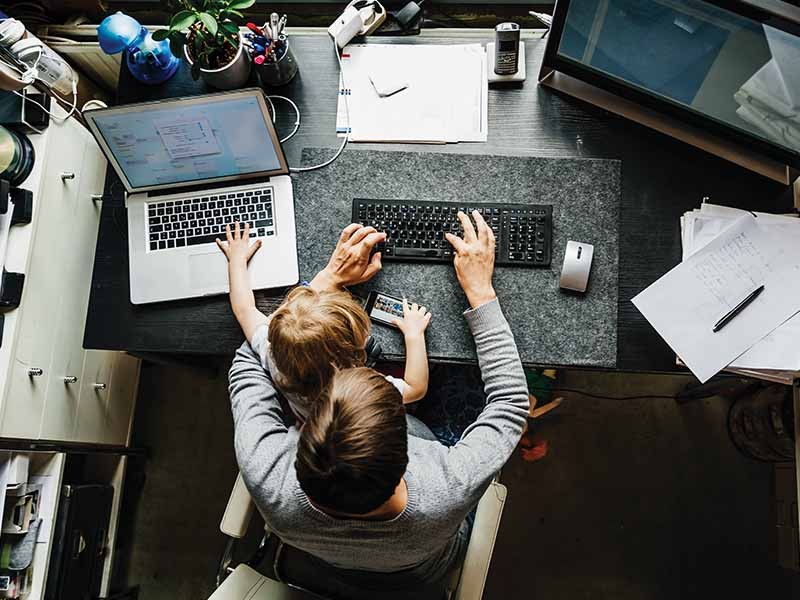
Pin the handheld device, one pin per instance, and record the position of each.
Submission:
(506, 48)
(383, 308)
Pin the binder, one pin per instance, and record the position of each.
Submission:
(79, 545)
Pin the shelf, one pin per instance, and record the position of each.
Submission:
(47, 470)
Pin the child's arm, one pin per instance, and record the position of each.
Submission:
(239, 251)
(413, 325)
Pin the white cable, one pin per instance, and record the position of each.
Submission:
(296, 111)
(58, 118)
(272, 106)
(342, 89)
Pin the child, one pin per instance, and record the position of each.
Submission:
(315, 333)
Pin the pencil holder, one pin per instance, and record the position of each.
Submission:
(280, 71)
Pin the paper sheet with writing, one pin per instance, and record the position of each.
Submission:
(684, 304)
(780, 350)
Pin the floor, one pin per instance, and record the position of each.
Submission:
(636, 499)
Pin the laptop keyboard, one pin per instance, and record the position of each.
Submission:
(194, 221)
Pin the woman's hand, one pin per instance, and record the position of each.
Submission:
(238, 247)
(474, 259)
(350, 262)
(415, 320)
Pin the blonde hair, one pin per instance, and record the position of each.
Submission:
(312, 335)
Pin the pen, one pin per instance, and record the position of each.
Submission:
(738, 308)
(273, 24)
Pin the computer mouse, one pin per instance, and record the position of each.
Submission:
(577, 265)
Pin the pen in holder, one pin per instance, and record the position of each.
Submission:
(272, 55)
(279, 67)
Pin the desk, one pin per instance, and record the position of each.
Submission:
(662, 178)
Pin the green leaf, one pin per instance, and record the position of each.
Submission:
(159, 35)
(182, 20)
(227, 14)
(241, 3)
(230, 27)
(209, 22)
(176, 44)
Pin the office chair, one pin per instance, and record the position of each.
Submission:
(244, 583)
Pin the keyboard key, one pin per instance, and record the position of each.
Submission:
(180, 243)
(153, 245)
(418, 252)
(170, 243)
(162, 244)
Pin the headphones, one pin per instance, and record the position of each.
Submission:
(373, 351)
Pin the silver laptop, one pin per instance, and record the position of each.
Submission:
(191, 166)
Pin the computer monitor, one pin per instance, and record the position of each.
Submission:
(729, 68)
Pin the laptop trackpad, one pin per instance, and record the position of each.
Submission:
(208, 271)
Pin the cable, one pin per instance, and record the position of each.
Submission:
(601, 397)
(296, 111)
(58, 118)
(342, 90)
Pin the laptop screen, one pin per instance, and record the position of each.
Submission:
(190, 141)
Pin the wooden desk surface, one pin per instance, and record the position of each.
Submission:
(661, 179)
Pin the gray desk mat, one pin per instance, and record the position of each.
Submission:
(551, 327)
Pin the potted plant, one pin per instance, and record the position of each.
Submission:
(204, 31)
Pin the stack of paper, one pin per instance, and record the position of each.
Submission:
(728, 253)
(444, 95)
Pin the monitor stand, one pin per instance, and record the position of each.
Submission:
(673, 127)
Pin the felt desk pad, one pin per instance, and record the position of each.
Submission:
(551, 326)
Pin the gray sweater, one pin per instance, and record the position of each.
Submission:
(444, 484)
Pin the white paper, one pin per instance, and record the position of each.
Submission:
(684, 304)
(446, 99)
(781, 348)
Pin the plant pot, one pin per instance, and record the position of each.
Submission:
(233, 75)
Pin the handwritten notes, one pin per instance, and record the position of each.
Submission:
(686, 302)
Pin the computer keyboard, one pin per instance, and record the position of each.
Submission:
(194, 221)
(415, 229)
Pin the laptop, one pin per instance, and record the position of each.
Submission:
(191, 166)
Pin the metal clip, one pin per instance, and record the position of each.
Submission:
(70, 379)
(35, 372)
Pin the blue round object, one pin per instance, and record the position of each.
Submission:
(117, 32)
(148, 61)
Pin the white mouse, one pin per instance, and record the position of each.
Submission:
(577, 265)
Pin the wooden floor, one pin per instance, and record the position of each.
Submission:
(636, 499)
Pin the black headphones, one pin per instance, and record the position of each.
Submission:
(373, 351)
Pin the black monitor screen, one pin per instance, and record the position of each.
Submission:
(737, 71)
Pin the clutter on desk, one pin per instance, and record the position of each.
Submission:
(148, 60)
(728, 254)
(444, 98)
(269, 48)
(210, 42)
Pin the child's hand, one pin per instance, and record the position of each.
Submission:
(415, 319)
(238, 247)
